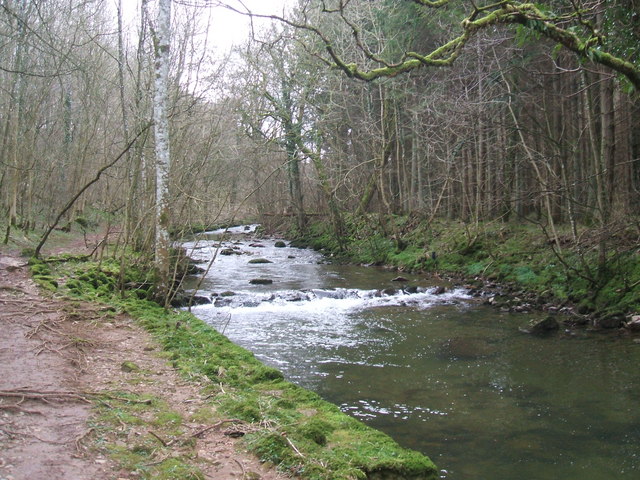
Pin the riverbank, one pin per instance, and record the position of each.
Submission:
(519, 264)
(147, 425)
(87, 393)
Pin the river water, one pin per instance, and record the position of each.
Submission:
(440, 373)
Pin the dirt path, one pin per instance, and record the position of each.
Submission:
(55, 355)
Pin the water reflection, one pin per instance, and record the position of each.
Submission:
(440, 373)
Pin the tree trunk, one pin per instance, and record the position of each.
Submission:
(163, 158)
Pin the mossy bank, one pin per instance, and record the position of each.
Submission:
(569, 268)
(288, 426)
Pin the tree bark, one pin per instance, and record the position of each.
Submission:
(162, 41)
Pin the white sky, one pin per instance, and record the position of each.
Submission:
(228, 28)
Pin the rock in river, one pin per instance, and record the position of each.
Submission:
(543, 327)
(260, 260)
(260, 281)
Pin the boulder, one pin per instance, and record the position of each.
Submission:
(439, 290)
(279, 244)
(228, 251)
(182, 300)
(260, 281)
(633, 325)
(222, 301)
(260, 260)
(543, 327)
(614, 320)
(193, 269)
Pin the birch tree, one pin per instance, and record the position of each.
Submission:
(162, 42)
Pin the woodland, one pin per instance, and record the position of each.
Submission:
(342, 119)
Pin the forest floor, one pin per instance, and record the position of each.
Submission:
(61, 361)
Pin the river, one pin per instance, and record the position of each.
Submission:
(439, 372)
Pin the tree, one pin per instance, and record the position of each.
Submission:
(572, 25)
(162, 43)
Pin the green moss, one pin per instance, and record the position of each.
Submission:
(327, 444)
(47, 282)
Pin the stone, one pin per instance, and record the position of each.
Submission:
(633, 324)
(615, 320)
(439, 290)
(260, 260)
(279, 244)
(260, 281)
(399, 279)
(545, 326)
(182, 300)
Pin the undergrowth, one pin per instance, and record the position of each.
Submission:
(512, 254)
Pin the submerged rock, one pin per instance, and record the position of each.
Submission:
(328, 293)
(399, 279)
(465, 348)
(260, 281)
(222, 301)
(543, 327)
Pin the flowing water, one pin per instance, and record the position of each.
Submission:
(440, 373)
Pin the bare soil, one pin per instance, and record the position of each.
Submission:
(55, 356)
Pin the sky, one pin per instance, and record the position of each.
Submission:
(228, 28)
(232, 28)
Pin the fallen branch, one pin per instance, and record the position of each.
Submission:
(199, 433)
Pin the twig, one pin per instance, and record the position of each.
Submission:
(42, 324)
(201, 432)
(160, 439)
(293, 446)
(244, 473)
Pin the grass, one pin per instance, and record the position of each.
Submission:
(137, 430)
(292, 428)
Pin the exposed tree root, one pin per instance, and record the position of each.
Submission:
(46, 397)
